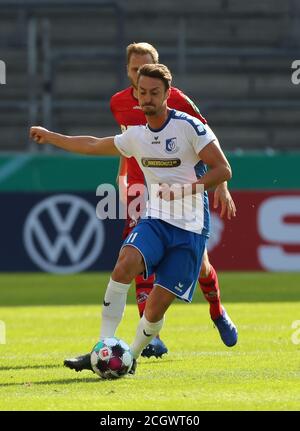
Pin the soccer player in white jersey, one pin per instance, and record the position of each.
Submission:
(169, 150)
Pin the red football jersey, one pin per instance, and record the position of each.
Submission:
(127, 112)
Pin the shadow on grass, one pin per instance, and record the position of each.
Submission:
(28, 367)
(42, 367)
(53, 382)
(77, 380)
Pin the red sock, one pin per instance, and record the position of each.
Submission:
(210, 288)
(143, 289)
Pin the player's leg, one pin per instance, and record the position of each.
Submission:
(176, 276)
(152, 320)
(156, 348)
(143, 287)
(141, 251)
(209, 285)
(133, 211)
(130, 263)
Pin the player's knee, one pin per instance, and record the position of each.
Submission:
(129, 265)
(122, 272)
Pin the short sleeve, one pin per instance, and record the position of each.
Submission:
(124, 143)
(201, 135)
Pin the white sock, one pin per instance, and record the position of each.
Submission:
(141, 340)
(115, 297)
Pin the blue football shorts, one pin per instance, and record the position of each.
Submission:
(173, 254)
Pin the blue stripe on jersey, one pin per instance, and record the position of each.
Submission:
(197, 125)
(200, 170)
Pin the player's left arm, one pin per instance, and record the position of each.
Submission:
(219, 167)
(183, 103)
(222, 195)
(220, 171)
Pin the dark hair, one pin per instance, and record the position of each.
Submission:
(156, 71)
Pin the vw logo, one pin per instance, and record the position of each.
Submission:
(63, 235)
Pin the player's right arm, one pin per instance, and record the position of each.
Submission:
(89, 145)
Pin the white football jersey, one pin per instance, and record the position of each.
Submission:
(170, 155)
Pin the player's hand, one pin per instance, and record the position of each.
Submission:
(167, 193)
(39, 134)
(222, 196)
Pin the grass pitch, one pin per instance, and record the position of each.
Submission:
(48, 318)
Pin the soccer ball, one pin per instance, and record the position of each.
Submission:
(111, 358)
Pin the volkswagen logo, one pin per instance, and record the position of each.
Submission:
(63, 235)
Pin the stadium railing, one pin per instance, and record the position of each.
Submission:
(181, 51)
(36, 12)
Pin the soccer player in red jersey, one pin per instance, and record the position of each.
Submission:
(127, 112)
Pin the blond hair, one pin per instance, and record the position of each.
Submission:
(156, 71)
(142, 48)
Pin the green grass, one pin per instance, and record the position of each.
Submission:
(49, 318)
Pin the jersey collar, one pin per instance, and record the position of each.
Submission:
(171, 112)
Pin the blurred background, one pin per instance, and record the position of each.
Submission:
(65, 59)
